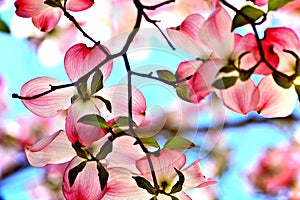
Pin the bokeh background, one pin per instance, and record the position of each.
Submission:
(251, 157)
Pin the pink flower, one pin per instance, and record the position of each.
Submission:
(44, 16)
(277, 170)
(120, 165)
(219, 47)
(164, 166)
(214, 45)
(86, 98)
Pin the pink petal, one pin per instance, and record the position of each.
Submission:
(290, 40)
(48, 19)
(53, 149)
(29, 8)
(194, 177)
(260, 2)
(187, 68)
(86, 185)
(270, 56)
(186, 37)
(246, 43)
(242, 98)
(79, 132)
(79, 5)
(121, 185)
(125, 154)
(80, 59)
(200, 85)
(275, 101)
(182, 196)
(273, 44)
(216, 33)
(163, 164)
(118, 97)
(50, 104)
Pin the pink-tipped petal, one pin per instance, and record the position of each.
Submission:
(47, 20)
(125, 154)
(49, 104)
(53, 149)
(243, 44)
(194, 177)
(242, 97)
(275, 101)
(260, 2)
(216, 33)
(290, 40)
(187, 68)
(186, 37)
(80, 59)
(118, 97)
(182, 196)
(163, 164)
(200, 85)
(77, 131)
(86, 185)
(79, 5)
(29, 8)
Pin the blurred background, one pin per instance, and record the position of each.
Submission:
(251, 157)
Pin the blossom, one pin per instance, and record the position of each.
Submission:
(164, 166)
(235, 57)
(276, 170)
(120, 164)
(89, 97)
(44, 16)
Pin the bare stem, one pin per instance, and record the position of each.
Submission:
(131, 130)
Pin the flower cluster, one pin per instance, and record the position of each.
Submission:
(105, 156)
(224, 62)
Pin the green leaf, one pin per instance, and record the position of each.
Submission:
(122, 121)
(182, 92)
(94, 120)
(227, 69)
(4, 27)
(282, 80)
(150, 141)
(251, 12)
(74, 98)
(276, 4)
(53, 3)
(82, 90)
(144, 183)
(297, 88)
(178, 186)
(154, 198)
(173, 198)
(225, 82)
(106, 102)
(97, 82)
(166, 75)
(246, 74)
(103, 175)
(106, 148)
(74, 172)
(79, 151)
(178, 143)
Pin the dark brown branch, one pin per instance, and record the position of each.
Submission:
(52, 88)
(130, 116)
(173, 84)
(158, 5)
